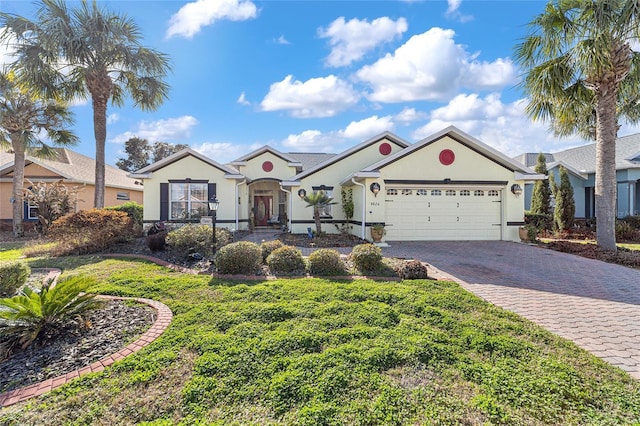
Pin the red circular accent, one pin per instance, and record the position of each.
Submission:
(267, 166)
(385, 149)
(447, 157)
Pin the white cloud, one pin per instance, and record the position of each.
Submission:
(282, 40)
(431, 66)
(316, 97)
(242, 100)
(309, 140)
(161, 130)
(505, 127)
(191, 17)
(368, 127)
(112, 118)
(409, 115)
(222, 152)
(453, 11)
(351, 40)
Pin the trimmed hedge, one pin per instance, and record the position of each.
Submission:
(326, 262)
(242, 257)
(367, 258)
(286, 260)
(13, 275)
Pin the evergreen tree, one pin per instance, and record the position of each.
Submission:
(162, 150)
(138, 152)
(541, 198)
(564, 214)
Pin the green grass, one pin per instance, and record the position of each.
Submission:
(630, 246)
(313, 352)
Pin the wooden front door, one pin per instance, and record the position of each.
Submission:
(262, 209)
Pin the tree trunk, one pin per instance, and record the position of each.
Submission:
(606, 183)
(100, 132)
(316, 217)
(18, 186)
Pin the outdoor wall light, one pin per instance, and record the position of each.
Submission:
(302, 193)
(375, 188)
(516, 189)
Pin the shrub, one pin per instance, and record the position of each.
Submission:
(242, 257)
(12, 276)
(134, 211)
(286, 260)
(29, 315)
(189, 239)
(156, 242)
(326, 262)
(53, 201)
(89, 231)
(268, 247)
(634, 221)
(540, 221)
(625, 231)
(412, 270)
(367, 258)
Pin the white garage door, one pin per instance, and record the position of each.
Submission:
(440, 213)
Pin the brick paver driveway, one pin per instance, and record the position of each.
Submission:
(595, 304)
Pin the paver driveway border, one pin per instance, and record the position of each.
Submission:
(593, 303)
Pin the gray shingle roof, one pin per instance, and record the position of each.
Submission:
(310, 159)
(583, 158)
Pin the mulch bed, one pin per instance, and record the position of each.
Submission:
(325, 241)
(622, 256)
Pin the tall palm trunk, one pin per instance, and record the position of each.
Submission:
(100, 133)
(316, 217)
(18, 186)
(606, 182)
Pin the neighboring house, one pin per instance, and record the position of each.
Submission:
(72, 169)
(580, 162)
(449, 186)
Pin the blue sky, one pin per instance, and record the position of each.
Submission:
(322, 76)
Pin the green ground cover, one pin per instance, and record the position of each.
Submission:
(314, 352)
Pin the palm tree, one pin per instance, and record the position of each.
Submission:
(582, 75)
(318, 200)
(23, 120)
(88, 52)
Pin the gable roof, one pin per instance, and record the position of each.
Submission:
(146, 172)
(334, 159)
(569, 168)
(310, 159)
(466, 140)
(240, 161)
(583, 158)
(73, 167)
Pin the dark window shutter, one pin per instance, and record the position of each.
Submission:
(211, 189)
(164, 201)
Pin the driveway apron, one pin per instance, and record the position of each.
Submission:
(593, 303)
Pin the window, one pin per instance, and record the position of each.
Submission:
(392, 192)
(32, 212)
(421, 192)
(328, 190)
(188, 200)
(478, 193)
(493, 193)
(436, 192)
(465, 193)
(407, 192)
(450, 192)
(122, 196)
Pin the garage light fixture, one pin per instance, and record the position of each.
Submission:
(302, 193)
(375, 188)
(516, 189)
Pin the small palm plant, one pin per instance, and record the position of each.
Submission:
(318, 200)
(31, 314)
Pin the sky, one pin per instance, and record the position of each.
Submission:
(323, 76)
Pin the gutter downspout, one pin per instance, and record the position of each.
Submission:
(236, 204)
(364, 204)
(289, 223)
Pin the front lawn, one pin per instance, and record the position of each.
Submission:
(313, 352)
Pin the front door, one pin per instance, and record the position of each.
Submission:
(262, 209)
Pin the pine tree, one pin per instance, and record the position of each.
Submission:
(565, 211)
(541, 198)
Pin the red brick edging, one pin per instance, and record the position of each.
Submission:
(159, 326)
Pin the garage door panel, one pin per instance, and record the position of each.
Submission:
(444, 217)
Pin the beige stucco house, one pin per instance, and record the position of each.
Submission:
(72, 169)
(449, 186)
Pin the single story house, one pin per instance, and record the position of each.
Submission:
(72, 169)
(580, 162)
(449, 186)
